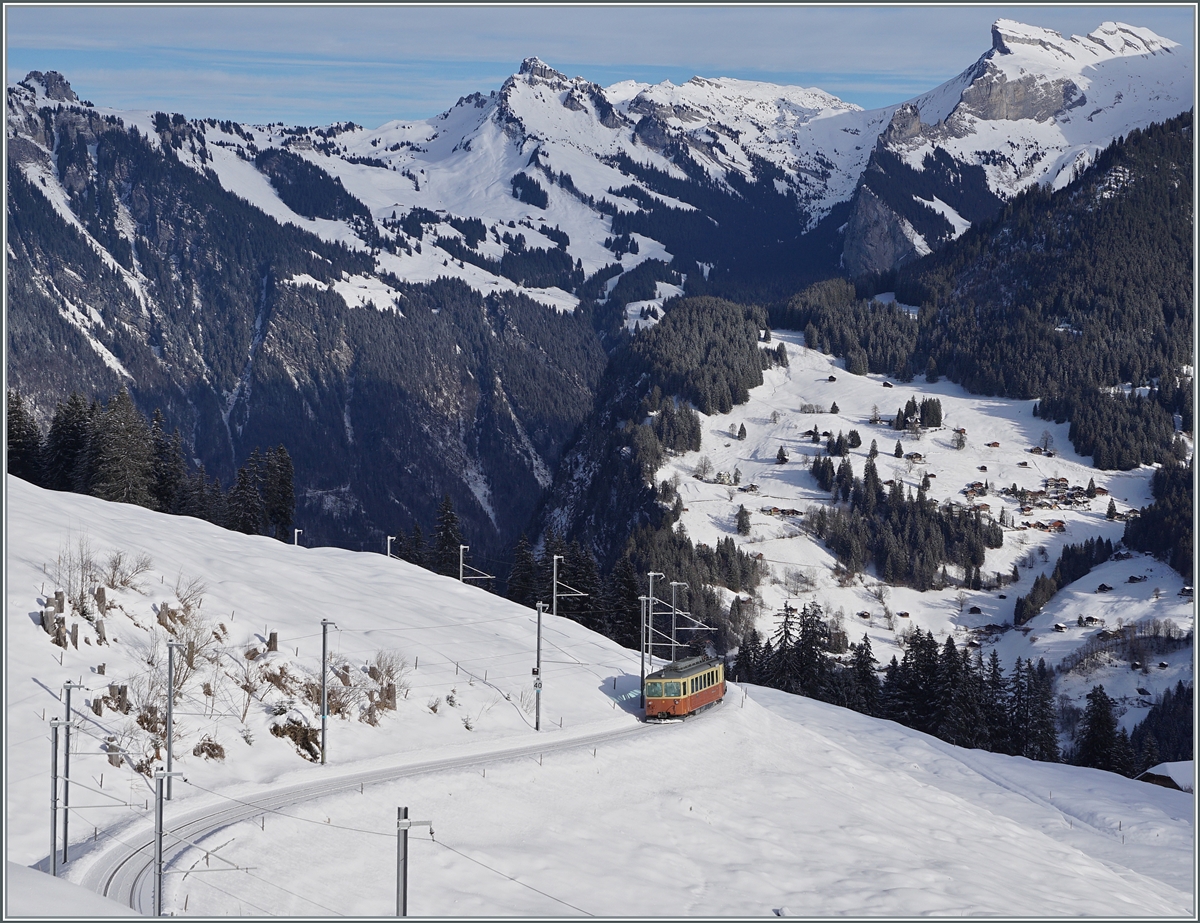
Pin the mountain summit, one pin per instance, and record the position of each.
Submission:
(1035, 108)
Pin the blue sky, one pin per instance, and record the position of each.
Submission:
(372, 63)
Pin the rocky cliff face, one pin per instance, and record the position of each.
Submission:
(1033, 109)
(877, 238)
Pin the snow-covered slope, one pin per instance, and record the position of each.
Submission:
(1036, 108)
(802, 568)
(769, 802)
(1039, 106)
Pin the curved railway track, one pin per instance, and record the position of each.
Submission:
(125, 872)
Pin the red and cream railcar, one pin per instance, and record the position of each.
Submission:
(684, 687)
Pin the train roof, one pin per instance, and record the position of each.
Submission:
(685, 667)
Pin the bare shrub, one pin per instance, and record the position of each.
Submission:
(433, 704)
(528, 700)
(209, 749)
(306, 739)
(796, 580)
(390, 667)
(121, 572)
(190, 592)
(281, 679)
(248, 678)
(75, 572)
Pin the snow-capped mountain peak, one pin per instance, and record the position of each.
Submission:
(1109, 40)
(1035, 108)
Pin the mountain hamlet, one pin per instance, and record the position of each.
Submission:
(896, 406)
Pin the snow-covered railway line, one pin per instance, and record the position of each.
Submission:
(125, 872)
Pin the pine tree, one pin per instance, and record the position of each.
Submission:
(121, 454)
(749, 657)
(279, 495)
(622, 605)
(947, 678)
(522, 579)
(66, 441)
(741, 433)
(1018, 709)
(1097, 732)
(246, 513)
(1123, 759)
(1042, 739)
(810, 657)
(964, 723)
(447, 539)
(866, 681)
(874, 453)
(834, 408)
(1112, 509)
(995, 711)
(25, 455)
(781, 456)
(899, 451)
(169, 467)
(416, 549)
(743, 520)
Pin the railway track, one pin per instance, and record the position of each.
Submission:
(125, 872)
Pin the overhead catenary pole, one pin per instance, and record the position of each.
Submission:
(461, 549)
(402, 827)
(642, 649)
(171, 645)
(674, 613)
(650, 618)
(537, 672)
(325, 623)
(68, 686)
(159, 775)
(55, 724)
(554, 583)
(296, 533)
(390, 539)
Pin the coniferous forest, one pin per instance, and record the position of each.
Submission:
(110, 451)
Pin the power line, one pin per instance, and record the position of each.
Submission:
(266, 810)
(512, 879)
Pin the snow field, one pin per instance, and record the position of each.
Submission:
(777, 801)
(711, 508)
(766, 802)
(459, 642)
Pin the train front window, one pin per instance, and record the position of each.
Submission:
(672, 690)
(654, 690)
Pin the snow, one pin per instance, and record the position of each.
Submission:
(30, 893)
(789, 550)
(957, 221)
(795, 804)
(890, 298)
(633, 310)
(460, 162)
(1128, 76)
